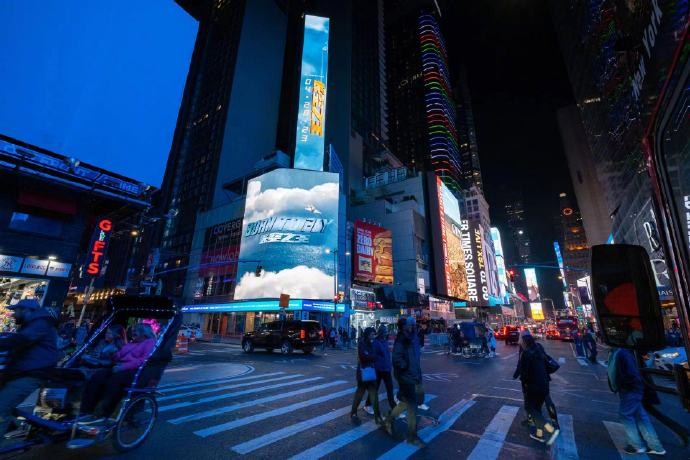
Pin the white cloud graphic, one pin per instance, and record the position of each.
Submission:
(308, 69)
(316, 23)
(300, 282)
(260, 205)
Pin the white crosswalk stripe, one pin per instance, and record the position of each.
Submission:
(494, 436)
(333, 398)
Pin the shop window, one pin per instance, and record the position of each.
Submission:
(31, 223)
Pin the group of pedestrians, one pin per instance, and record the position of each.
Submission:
(341, 336)
(374, 365)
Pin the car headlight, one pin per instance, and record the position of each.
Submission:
(673, 355)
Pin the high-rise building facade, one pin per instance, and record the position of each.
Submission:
(517, 224)
(422, 118)
(574, 247)
(467, 136)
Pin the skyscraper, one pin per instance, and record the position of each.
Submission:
(467, 136)
(518, 228)
(575, 248)
(422, 117)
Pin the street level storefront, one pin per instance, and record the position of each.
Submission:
(232, 319)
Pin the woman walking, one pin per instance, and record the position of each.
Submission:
(366, 376)
(383, 366)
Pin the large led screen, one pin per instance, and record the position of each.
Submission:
(311, 117)
(559, 258)
(475, 265)
(289, 233)
(454, 278)
(532, 285)
(536, 310)
(373, 253)
(500, 262)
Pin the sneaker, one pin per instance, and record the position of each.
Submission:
(416, 441)
(633, 450)
(553, 436)
(369, 410)
(423, 407)
(536, 438)
(661, 452)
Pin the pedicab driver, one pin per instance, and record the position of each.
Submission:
(33, 351)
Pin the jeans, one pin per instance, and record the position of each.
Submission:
(107, 387)
(388, 381)
(12, 393)
(634, 417)
(410, 407)
(369, 387)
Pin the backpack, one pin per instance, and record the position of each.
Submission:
(613, 384)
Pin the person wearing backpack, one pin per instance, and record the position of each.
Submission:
(626, 380)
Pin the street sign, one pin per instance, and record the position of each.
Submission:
(284, 301)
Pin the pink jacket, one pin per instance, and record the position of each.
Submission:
(133, 355)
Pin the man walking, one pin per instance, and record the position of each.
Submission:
(625, 378)
(408, 372)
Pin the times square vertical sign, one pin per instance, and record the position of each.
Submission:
(311, 116)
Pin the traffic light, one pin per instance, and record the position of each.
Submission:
(511, 274)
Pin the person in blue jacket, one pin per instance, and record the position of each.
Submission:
(383, 366)
(33, 351)
(625, 378)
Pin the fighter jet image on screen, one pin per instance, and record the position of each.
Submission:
(311, 208)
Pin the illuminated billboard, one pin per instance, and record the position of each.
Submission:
(559, 258)
(311, 117)
(475, 265)
(289, 232)
(532, 285)
(451, 278)
(373, 252)
(500, 263)
(536, 310)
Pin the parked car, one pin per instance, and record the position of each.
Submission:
(512, 335)
(500, 333)
(284, 335)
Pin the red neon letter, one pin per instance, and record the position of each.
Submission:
(105, 225)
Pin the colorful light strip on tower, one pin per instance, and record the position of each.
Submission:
(440, 107)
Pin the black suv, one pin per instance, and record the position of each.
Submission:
(512, 334)
(285, 335)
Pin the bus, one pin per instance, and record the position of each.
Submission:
(566, 327)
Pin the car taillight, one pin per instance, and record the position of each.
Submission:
(321, 334)
(302, 334)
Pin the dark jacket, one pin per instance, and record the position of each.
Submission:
(366, 357)
(628, 378)
(383, 355)
(34, 345)
(532, 370)
(406, 359)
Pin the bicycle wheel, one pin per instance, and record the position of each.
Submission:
(136, 423)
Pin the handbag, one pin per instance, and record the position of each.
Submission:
(368, 374)
(551, 364)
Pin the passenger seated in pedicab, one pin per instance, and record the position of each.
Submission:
(102, 355)
(106, 385)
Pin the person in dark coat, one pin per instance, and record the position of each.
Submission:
(532, 371)
(383, 366)
(33, 351)
(366, 358)
(408, 372)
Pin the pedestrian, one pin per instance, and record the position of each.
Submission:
(408, 372)
(366, 376)
(420, 334)
(383, 366)
(324, 335)
(532, 370)
(353, 335)
(491, 340)
(625, 379)
(590, 344)
(332, 337)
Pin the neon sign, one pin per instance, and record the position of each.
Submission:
(98, 247)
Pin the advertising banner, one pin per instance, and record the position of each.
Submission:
(311, 117)
(218, 264)
(58, 269)
(475, 266)
(35, 266)
(98, 248)
(289, 233)
(10, 263)
(373, 253)
(451, 276)
(532, 284)
(559, 258)
(537, 311)
(500, 264)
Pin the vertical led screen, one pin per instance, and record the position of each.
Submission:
(311, 116)
(451, 277)
(559, 258)
(373, 253)
(289, 232)
(475, 265)
(218, 268)
(532, 285)
(500, 263)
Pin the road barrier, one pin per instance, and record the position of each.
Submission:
(182, 344)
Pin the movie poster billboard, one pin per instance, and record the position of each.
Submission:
(500, 263)
(289, 233)
(537, 311)
(451, 279)
(532, 284)
(475, 266)
(311, 117)
(373, 254)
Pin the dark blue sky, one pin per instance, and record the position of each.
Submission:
(99, 81)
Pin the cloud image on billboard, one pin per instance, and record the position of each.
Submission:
(290, 220)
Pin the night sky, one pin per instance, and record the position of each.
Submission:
(518, 82)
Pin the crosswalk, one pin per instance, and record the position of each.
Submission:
(252, 415)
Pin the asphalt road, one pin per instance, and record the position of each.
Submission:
(218, 402)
